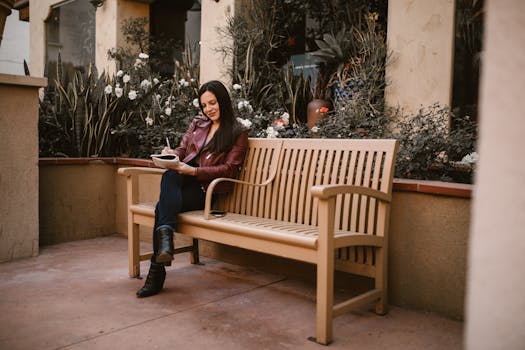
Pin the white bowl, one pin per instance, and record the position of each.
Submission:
(165, 160)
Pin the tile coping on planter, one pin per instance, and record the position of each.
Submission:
(400, 185)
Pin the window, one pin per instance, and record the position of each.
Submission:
(176, 24)
(467, 58)
(70, 32)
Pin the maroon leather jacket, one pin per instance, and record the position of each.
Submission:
(212, 166)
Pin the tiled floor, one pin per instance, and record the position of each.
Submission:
(77, 295)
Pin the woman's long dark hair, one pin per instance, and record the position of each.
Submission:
(229, 128)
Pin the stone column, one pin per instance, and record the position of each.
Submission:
(421, 39)
(495, 316)
(110, 18)
(213, 65)
(19, 234)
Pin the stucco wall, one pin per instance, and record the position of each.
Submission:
(427, 254)
(421, 39)
(19, 166)
(76, 202)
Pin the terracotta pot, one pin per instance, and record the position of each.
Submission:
(312, 111)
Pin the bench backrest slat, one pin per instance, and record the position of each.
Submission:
(298, 164)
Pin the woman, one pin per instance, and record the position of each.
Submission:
(214, 146)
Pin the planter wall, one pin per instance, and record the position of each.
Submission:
(428, 233)
(77, 201)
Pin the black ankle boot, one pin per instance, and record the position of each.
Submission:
(165, 244)
(154, 281)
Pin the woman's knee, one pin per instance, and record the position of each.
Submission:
(171, 176)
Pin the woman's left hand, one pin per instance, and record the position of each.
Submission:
(184, 169)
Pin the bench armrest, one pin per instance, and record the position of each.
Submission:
(140, 171)
(327, 191)
(211, 188)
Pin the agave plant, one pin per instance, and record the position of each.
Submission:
(336, 50)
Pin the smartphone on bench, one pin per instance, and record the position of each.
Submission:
(217, 213)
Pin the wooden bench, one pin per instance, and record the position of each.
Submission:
(312, 200)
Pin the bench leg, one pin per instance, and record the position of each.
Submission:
(325, 273)
(381, 281)
(133, 249)
(194, 254)
(325, 300)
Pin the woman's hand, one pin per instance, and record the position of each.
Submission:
(184, 169)
(167, 150)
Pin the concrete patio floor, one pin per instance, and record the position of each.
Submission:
(78, 295)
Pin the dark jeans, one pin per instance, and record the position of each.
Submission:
(178, 193)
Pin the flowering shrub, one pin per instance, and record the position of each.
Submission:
(429, 150)
(261, 123)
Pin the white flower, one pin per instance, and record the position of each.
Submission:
(132, 94)
(442, 157)
(149, 121)
(167, 111)
(183, 82)
(245, 122)
(118, 91)
(143, 56)
(120, 73)
(470, 158)
(145, 84)
(243, 104)
(155, 80)
(196, 103)
(271, 132)
(315, 129)
(192, 80)
(237, 86)
(286, 117)
(126, 78)
(108, 89)
(138, 63)
(117, 85)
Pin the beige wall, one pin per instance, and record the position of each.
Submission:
(421, 39)
(19, 166)
(76, 202)
(427, 254)
(496, 284)
(214, 65)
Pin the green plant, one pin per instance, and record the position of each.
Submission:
(335, 52)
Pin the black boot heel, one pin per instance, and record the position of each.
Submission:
(165, 244)
(154, 281)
